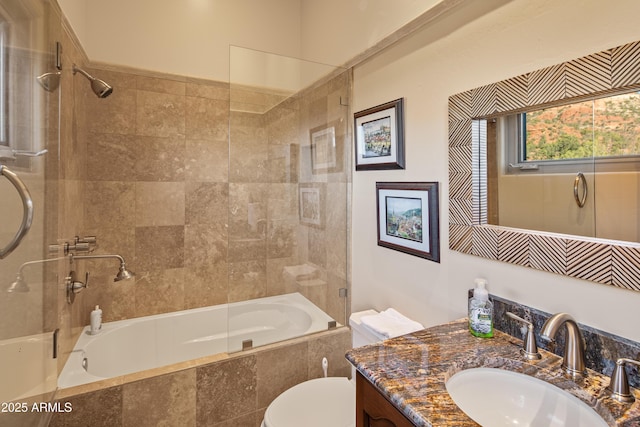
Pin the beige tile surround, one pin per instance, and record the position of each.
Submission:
(163, 189)
(161, 194)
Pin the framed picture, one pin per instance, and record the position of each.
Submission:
(311, 205)
(326, 150)
(408, 218)
(380, 137)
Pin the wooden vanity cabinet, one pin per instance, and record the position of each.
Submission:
(373, 409)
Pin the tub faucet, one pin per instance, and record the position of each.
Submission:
(573, 362)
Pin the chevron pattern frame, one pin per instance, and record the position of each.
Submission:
(613, 70)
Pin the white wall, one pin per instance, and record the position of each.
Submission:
(448, 58)
(75, 11)
(334, 31)
(192, 37)
(185, 37)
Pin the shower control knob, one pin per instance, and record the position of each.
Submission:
(75, 286)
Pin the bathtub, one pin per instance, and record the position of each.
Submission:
(127, 346)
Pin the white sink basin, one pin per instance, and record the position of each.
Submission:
(494, 397)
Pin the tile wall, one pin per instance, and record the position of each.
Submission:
(199, 223)
(156, 193)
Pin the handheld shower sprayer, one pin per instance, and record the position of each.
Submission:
(99, 87)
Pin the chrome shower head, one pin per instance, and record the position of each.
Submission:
(20, 285)
(99, 87)
(49, 81)
(123, 273)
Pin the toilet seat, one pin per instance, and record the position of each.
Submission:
(320, 402)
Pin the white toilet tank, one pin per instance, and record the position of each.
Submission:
(361, 335)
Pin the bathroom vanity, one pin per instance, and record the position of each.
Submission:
(403, 381)
(373, 409)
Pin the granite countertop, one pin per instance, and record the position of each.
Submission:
(411, 371)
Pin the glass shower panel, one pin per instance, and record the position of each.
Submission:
(29, 100)
(289, 174)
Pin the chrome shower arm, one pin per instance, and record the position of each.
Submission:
(20, 284)
(39, 261)
(118, 257)
(77, 69)
(123, 273)
(101, 88)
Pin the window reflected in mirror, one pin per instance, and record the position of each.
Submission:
(606, 130)
(570, 169)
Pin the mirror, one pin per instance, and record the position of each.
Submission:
(569, 169)
(611, 262)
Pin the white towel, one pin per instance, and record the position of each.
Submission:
(390, 323)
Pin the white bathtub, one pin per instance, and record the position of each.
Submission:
(134, 345)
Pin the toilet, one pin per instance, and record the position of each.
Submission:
(322, 402)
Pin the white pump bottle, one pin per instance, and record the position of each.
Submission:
(95, 321)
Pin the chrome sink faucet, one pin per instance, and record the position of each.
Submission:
(573, 362)
(530, 349)
(619, 384)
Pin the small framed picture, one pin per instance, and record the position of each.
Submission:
(408, 218)
(311, 205)
(324, 150)
(380, 137)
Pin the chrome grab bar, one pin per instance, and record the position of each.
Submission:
(26, 153)
(11, 154)
(580, 199)
(27, 204)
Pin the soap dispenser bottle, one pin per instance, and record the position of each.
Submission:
(95, 321)
(481, 311)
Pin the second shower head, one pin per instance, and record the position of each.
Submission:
(99, 87)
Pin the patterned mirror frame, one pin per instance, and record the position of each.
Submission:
(597, 260)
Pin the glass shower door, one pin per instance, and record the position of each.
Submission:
(289, 174)
(29, 112)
